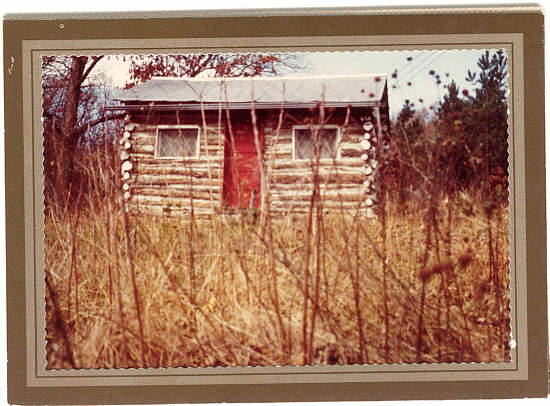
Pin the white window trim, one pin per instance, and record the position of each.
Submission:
(175, 126)
(312, 128)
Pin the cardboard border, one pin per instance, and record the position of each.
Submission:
(37, 375)
(532, 383)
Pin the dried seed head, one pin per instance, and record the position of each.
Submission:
(447, 266)
(441, 267)
(488, 208)
(482, 289)
(465, 259)
(425, 274)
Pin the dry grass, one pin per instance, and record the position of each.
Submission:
(225, 291)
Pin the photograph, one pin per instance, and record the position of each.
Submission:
(276, 208)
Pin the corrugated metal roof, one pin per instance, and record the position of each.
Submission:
(333, 90)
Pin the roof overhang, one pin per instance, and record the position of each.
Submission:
(235, 106)
(258, 92)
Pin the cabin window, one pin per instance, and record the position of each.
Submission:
(177, 141)
(309, 141)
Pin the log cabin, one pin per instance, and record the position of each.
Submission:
(220, 144)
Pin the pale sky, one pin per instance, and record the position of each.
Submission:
(415, 71)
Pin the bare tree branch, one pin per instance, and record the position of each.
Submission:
(96, 59)
(83, 128)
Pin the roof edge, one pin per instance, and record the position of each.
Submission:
(146, 106)
(262, 78)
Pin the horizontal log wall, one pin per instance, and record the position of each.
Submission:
(166, 185)
(341, 180)
(173, 185)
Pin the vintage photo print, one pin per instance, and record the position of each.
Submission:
(276, 209)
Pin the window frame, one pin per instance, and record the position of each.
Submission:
(177, 126)
(313, 128)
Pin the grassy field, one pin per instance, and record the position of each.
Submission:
(417, 284)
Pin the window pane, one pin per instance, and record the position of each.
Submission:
(307, 143)
(177, 142)
(328, 142)
(304, 144)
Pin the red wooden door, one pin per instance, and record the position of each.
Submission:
(241, 168)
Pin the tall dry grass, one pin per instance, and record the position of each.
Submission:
(249, 302)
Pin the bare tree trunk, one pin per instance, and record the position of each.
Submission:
(70, 116)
